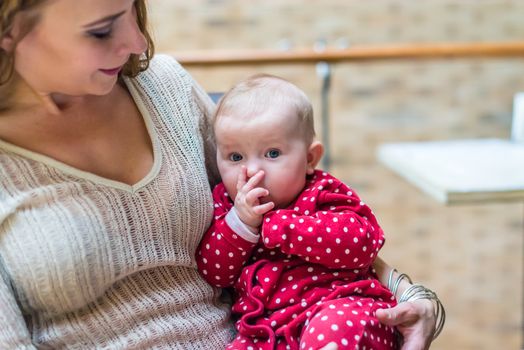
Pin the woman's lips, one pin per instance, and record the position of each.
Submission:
(113, 71)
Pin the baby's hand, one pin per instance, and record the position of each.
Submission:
(247, 201)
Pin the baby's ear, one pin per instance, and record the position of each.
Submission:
(314, 153)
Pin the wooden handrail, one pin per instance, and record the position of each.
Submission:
(354, 53)
(212, 58)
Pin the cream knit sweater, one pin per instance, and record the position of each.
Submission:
(87, 262)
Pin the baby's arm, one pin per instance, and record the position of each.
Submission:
(234, 232)
(339, 231)
(223, 252)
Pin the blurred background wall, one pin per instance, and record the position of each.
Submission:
(470, 254)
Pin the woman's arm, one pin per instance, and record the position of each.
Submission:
(415, 320)
(13, 330)
(383, 270)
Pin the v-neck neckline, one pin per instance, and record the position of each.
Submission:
(89, 176)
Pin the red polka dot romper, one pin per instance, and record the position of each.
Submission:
(308, 280)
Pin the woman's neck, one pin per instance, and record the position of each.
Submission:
(25, 97)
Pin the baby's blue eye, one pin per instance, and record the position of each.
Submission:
(235, 157)
(274, 153)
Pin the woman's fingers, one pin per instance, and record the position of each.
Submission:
(415, 320)
(401, 314)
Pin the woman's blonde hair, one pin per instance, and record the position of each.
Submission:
(10, 8)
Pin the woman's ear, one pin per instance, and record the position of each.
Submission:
(8, 41)
(314, 153)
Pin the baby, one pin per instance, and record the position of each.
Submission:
(296, 243)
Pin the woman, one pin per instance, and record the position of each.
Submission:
(104, 193)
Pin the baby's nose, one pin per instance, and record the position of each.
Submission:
(252, 169)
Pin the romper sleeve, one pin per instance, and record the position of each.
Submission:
(13, 330)
(206, 108)
(334, 227)
(223, 252)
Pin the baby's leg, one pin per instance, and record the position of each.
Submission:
(350, 323)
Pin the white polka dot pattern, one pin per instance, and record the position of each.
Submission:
(313, 258)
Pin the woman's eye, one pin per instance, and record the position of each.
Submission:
(101, 34)
(274, 153)
(235, 157)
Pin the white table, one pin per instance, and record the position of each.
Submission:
(460, 171)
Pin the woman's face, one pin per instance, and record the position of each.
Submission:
(78, 47)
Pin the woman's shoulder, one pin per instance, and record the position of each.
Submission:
(164, 59)
(163, 77)
(165, 66)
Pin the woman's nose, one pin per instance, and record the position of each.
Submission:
(134, 42)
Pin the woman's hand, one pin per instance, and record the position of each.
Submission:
(415, 320)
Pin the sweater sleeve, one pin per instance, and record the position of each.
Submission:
(330, 226)
(222, 252)
(13, 330)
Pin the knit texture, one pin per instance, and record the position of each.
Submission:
(88, 262)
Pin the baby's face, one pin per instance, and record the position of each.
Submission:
(272, 142)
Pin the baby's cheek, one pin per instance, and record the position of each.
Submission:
(231, 192)
(231, 185)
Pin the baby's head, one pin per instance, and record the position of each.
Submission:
(266, 123)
